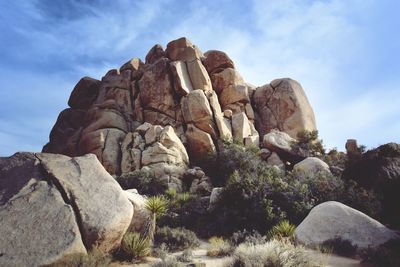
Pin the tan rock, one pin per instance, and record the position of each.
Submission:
(37, 226)
(170, 140)
(225, 132)
(249, 111)
(104, 118)
(278, 141)
(200, 143)
(197, 110)
(198, 75)
(152, 134)
(142, 129)
(217, 60)
(156, 91)
(135, 65)
(227, 77)
(113, 79)
(84, 93)
(155, 53)
(240, 126)
(159, 153)
(228, 113)
(275, 160)
(107, 213)
(182, 49)
(141, 215)
(233, 94)
(283, 105)
(311, 166)
(182, 83)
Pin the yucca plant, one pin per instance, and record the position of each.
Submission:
(157, 206)
(135, 245)
(283, 230)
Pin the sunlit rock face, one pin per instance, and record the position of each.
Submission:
(180, 96)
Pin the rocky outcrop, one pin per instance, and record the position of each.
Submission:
(201, 96)
(50, 209)
(312, 166)
(332, 219)
(283, 105)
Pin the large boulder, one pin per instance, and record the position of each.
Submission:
(283, 105)
(52, 206)
(332, 219)
(312, 165)
(84, 93)
(283, 145)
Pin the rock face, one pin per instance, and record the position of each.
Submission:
(202, 97)
(49, 208)
(333, 219)
(283, 105)
(312, 165)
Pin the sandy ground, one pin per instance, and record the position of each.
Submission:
(200, 255)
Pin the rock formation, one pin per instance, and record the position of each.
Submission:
(332, 219)
(50, 208)
(171, 110)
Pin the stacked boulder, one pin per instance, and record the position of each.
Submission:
(193, 98)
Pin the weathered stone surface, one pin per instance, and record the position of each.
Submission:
(64, 136)
(275, 160)
(152, 134)
(228, 77)
(196, 109)
(240, 126)
(106, 214)
(135, 66)
(37, 225)
(215, 195)
(84, 93)
(198, 75)
(158, 153)
(333, 219)
(99, 118)
(233, 94)
(155, 53)
(200, 143)
(278, 141)
(225, 131)
(312, 165)
(156, 90)
(105, 144)
(182, 49)
(141, 215)
(182, 83)
(215, 61)
(170, 140)
(283, 105)
(352, 147)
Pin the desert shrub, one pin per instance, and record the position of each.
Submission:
(282, 230)
(271, 254)
(219, 247)
(335, 158)
(135, 246)
(245, 236)
(95, 258)
(156, 206)
(144, 181)
(176, 238)
(387, 255)
(186, 256)
(339, 246)
(308, 144)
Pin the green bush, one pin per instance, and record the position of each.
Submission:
(95, 258)
(308, 144)
(135, 246)
(283, 230)
(219, 247)
(176, 238)
(186, 256)
(144, 181)
(340, 246)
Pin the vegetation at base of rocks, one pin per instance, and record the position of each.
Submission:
(95, 258)
(157, 206)
(168, 262)
(249, 237)
(135, 247)
(176, 238)
(308, 144)
(387, 255)
(186, 256)
(273, 253)
(219, 247)
(144, 181)
(283, 230)
(342, 247)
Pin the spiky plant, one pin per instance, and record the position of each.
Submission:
(157, 206)
(136, 246)
(283, 230)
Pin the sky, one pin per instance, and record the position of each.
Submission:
(345, 54)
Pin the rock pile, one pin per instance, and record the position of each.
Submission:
(170, 111)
